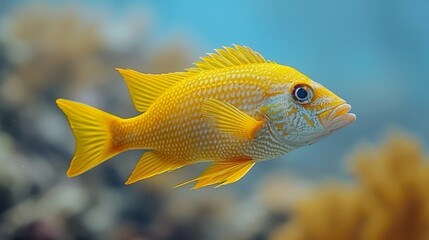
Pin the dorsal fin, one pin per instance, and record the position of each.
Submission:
(227, 57)
(146, 88)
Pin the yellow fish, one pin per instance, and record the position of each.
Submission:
(234, 108)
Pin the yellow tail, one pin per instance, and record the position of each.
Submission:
(92, 129)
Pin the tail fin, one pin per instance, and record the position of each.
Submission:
(92, 130)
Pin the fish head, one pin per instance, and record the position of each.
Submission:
(306, 111)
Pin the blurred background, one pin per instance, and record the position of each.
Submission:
(365, 182)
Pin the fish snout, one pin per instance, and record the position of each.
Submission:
(338, 117)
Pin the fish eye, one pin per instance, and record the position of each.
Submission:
(302, 94)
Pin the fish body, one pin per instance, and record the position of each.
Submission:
(234, 108)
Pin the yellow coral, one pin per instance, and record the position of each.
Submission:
(333, 212)
(393, 181)
(389, 202)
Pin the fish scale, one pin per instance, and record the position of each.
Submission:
(233, 109)
(198, 90)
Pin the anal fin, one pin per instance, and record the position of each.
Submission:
(222, 173)
(151, 164)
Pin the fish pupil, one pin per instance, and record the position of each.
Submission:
(301, 93)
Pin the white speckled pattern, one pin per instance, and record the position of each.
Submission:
(174, 125)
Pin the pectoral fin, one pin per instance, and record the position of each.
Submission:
(228, 118)
(222, 173)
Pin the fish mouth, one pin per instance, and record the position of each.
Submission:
(338, 117)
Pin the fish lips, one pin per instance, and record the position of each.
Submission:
(338, 117)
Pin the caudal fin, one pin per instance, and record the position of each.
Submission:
(92, 129)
